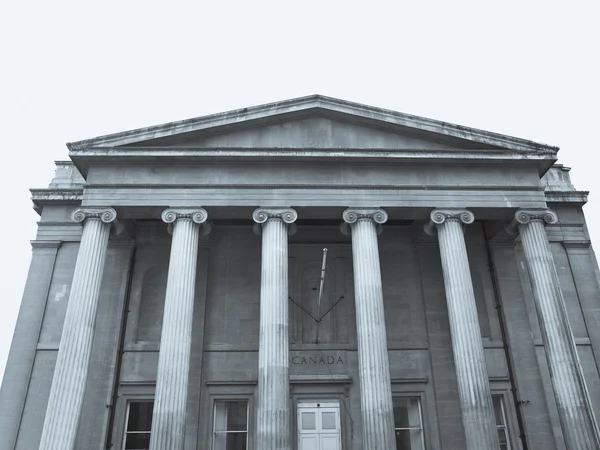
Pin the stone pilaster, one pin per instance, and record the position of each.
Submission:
(273, 403)
(373, 365)
(579, 425)
(469, 358)
(170, 400)
(72, 363)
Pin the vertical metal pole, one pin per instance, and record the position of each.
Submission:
(323, 267)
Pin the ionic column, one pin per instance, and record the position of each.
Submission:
(72, 363)
(469, 358)
(170, 401)
(579, 425)
(373, 365)
(273, 403)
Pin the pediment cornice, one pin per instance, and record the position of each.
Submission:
(313, 106)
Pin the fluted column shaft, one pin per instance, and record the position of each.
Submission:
(170, 402)
(377, 411)
(579, 426)
(70, 374)
(473, 383)
(273, 403)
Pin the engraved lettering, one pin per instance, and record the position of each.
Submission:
(317, 360)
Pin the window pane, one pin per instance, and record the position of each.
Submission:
(139, 441)
(502, 436)
(236, 441)
(328, 420)
(229, 441)
(309, 421)
(231, 415)
(498, 409)
(409, 440)
(140, 416)
(406, 413)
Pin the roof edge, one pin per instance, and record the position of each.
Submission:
(316, 101)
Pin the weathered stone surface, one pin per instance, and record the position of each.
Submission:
(170, 402)
(273, 404)
(318, 155)
(373, 366)
(19, 366)
(471, 371)
(70, 376)
(579, 425)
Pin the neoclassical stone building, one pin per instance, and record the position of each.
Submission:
(311, 274)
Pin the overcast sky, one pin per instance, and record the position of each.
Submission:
(75, 70)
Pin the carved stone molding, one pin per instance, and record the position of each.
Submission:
(288, 215)
(439, 216)
(106, 215)
(261, 215)
(352, 215)
(525, 216)
(197, 215)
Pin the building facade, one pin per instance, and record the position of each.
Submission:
(311, 274)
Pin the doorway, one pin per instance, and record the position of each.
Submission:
(319, 425)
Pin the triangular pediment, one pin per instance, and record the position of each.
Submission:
(311, 132)
(311, 122)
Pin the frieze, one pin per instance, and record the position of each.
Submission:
(387, 187)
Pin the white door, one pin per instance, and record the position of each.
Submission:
(319, 426)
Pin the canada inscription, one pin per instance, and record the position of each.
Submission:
(317, 359)
(315, 362)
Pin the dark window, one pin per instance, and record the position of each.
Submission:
(230, 429)
(501, 422)
(408, 424)
(139, 423)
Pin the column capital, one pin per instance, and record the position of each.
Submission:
(352, 215)
(106, 215)
(440, 216)
(525, 216)
(288, 215)
(198, 215)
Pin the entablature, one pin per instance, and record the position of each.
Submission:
(83, 158)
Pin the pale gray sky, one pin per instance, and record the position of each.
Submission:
(73, 70)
